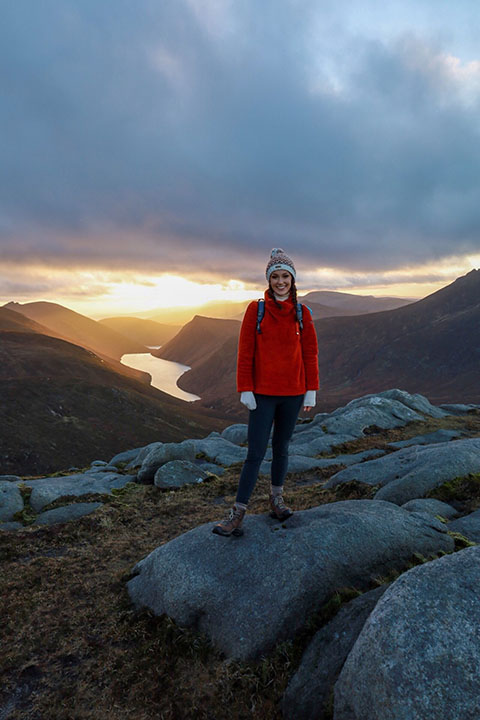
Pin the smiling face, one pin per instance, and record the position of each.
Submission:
(281, 282)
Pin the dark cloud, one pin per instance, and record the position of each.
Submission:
(184, 136)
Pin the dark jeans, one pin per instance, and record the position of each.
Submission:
(281, 411)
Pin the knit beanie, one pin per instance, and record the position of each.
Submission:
(279, 260)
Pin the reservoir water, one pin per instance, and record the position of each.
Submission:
(164, 373)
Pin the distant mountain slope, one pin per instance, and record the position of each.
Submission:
(61, 405)
(16, 322)
(320, 311)
(350, 304)
(180, 315)
(78, 329)
(431, 346)
(145, 332)
(197, 340)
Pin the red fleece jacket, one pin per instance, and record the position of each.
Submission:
(281, 360)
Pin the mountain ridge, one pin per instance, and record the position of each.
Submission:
(431, 346)
(77, 328)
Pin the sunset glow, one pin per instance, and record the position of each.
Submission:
(100, 293)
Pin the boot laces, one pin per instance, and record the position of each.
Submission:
(232, 514)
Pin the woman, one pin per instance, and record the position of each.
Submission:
(277, 373)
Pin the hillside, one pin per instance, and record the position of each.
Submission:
(146, 332)
(13, 321)
(319, 310)
(183, 314)
(61, 404)
(78, 329)
(350, 304)
(198, 341)
(431, 346)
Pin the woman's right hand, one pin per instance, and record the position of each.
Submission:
(247, 398)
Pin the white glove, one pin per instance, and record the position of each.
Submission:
(310, 398)
(248, 399)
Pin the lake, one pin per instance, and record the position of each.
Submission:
(164, 373)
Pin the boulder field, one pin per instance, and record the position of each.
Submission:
(406, 648)
(405, 473)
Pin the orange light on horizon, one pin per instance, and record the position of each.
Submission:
(103, 293)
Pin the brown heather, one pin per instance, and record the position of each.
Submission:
(73, 647)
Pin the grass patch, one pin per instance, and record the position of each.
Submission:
(463, 493)
(461, 542)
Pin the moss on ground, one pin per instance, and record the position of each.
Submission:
(463, 493)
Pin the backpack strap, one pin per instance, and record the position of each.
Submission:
(260, 313)
(300, 314)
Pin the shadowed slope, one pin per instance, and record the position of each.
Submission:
(78, 329)
(145, 332)
(198, 340)
(61, 405)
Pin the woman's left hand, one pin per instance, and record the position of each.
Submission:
(309, 400)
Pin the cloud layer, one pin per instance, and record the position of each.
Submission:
(194, 135)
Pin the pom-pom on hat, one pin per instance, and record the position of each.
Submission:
(279, 260)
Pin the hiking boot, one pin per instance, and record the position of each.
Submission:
(231, 524)
(279, 510)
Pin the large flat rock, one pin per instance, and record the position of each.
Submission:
(249, 593)
(439, 436)
(412, 472)
(66, 513)
(431, 506)
(176, 473)
(418, 654)
(46, 490)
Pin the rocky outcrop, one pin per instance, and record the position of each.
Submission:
(236, 433)
(412, 472)
(459, 408)
(428, 439)
(431, 506)
(308, 692)
(47, 490)
(417, 655)
(67, 513)
(219, 450)
(11, 500)
(163, 453)
(468, 525)
(249, 593)
(177, 473)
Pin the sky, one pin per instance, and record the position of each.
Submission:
(153, 152)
